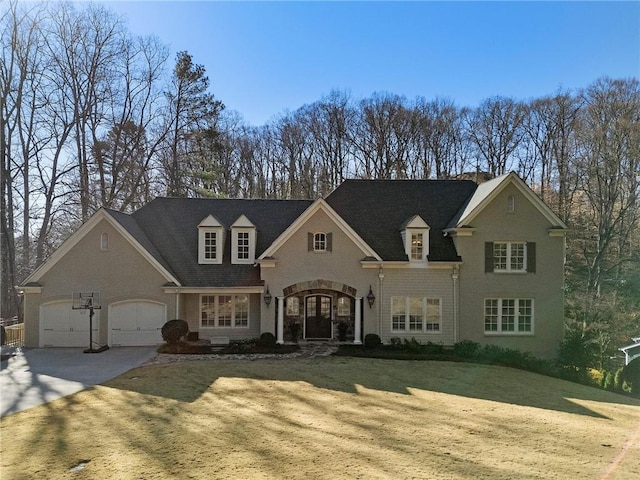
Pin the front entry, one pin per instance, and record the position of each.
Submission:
(317, 322)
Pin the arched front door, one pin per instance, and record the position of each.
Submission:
(317, 320)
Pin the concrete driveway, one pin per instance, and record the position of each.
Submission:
(40, 375)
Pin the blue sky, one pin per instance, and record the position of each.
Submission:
(264, 58)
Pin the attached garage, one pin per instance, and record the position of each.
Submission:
(61, 326)
(136, 323)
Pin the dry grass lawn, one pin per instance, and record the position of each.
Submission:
(327, 418)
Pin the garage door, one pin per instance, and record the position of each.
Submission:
(61, 326)
(136, 323)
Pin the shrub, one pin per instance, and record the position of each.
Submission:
(631, 376)
(371, 340)
(466, 349)
(396, 342)
(174, 330)
(412, 346)
(267, 340)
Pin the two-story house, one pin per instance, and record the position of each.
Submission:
(436, 260)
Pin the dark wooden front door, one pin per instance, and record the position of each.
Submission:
(318, 316)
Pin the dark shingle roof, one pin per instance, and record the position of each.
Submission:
(168, 229)
(377, 209)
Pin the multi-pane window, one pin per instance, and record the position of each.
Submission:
(508, 315)
(293, 306)
(509, 257)
(224, 311)
(210, 245)
(415, 314)
(319, 242)
(243, 245)
(417, 247)
(344, 306)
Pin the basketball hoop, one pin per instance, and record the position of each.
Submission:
(88, 301)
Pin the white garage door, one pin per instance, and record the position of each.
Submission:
(61, 326)
(136, 323)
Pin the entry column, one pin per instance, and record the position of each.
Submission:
(280, 327)
(357, 328)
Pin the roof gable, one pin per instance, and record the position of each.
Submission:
(320, 205)
(488, 191)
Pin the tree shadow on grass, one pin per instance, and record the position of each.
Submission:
(188, 381)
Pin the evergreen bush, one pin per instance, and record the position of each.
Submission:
(371, 340)
(174, 330)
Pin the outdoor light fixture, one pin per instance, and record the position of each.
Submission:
(371, 297)
(268, 297)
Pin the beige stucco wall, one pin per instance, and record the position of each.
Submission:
(545, 286)
(119, 273)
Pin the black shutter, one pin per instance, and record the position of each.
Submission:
(488, 257)
(329, 241)
(531, 257)
(310, 242)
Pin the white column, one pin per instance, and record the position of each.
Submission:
(280, 328)
(357, 330)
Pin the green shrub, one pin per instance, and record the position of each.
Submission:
(371, 340)
(433, 348)
(267, 340)
(412, 346)
(631, 376)
(395, 342)
(174, 330)
(466, 349)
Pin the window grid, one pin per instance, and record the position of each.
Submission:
(344, 306)
(319, 242)
(210, 244)
(417, 247)
(224, 311)
(508, 315)
(243, 245)
(415, 314)
(509, 256)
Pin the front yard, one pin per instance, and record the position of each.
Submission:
(327, 418)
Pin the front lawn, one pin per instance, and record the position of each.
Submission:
(326, 418)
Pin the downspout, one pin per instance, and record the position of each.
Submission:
(380, 291)
(454, 276)
(177, 304)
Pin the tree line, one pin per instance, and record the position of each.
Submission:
(92, 116)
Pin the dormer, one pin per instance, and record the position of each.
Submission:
(415, 238)
(210, 241)
(243, 241)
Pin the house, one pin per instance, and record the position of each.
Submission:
(436, 260)
(631, 352)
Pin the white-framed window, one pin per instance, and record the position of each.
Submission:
(344, 306)
(320, 242)
(210, 241)
(511, 204)
(508, 316)
(417, 246)
(293, 306)
(243, 245)
(415, 314)
(243, 241)
(104, 241)
(224, 311)
(509, 256)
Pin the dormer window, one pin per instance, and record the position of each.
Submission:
(415, 236)
(243, 239)
(210, 241)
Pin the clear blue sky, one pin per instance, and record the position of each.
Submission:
(264, 58)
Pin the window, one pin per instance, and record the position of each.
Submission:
(415, 314)
(210, 245)
(416, 246)
(243, 245)
(511, 204)
(344, 306)
(104, 242)
(319, 242)
(293, 306)
(508, 315)
(510, 257)
(224, 311)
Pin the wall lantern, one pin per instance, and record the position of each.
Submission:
(371, 297)
(268, 297)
